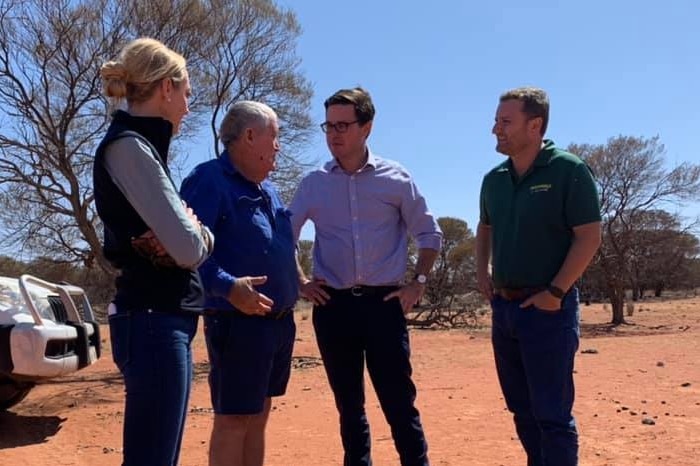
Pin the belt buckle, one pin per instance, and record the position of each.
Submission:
(356, 291)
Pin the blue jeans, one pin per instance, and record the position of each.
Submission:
(534, 351)
(152, 351)
(351, 330)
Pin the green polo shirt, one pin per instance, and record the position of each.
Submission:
(532, 217)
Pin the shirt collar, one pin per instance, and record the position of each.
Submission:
(230, 169)
(544, 157)
(158, 131)
(371, 163)
(546, 153)
(226, 164)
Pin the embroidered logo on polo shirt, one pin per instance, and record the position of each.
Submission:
(540, 188)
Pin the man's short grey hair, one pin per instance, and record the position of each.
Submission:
(241, 115)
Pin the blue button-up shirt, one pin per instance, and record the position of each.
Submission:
(362, 221)
(253, 231)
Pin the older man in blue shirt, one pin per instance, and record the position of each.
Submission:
(251, 282)
(363, 208)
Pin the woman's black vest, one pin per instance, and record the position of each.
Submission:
(140, 285)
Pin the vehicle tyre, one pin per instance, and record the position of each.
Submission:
(12, 392)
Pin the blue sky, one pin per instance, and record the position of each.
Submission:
(435, 71)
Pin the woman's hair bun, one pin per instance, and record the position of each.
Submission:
(114, 79)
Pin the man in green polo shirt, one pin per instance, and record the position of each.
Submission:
(540, 227)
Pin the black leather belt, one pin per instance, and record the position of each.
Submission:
(518, 294)
(363, 290)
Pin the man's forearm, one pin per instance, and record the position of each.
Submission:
(483, 247)
(426, 259)
(587, 239)
(302, 276)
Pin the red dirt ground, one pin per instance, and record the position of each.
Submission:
(647, 370)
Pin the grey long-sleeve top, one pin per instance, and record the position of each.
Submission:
(142, 180)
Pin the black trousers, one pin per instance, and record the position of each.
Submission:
(355, 327)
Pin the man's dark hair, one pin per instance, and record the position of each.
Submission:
(358, 98)
(535, 103)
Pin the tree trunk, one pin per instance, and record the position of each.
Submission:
(615, 287)
(618, 305)
(616, 295)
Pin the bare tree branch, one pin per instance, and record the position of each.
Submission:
(53, 113)
(633, 186)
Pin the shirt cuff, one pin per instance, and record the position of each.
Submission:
(429, 241)
(222, 284)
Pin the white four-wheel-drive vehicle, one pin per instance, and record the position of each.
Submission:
(46, 330)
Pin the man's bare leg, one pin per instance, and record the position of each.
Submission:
(254, 452)
(239, 440)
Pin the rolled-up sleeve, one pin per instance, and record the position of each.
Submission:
(217, 282)
(421, 224)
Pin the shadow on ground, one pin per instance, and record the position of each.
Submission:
(629, 329)
(18, 430)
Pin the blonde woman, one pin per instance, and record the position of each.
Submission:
(155, 242)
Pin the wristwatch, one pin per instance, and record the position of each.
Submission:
(556, 291)
(420, 278)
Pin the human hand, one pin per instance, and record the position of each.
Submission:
(485, 284)
(244, 297)
(409, 295)
(543, 300)
(150, 247)
(312, 290)
(191, 215)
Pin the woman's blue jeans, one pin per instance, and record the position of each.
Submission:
(152, 351)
